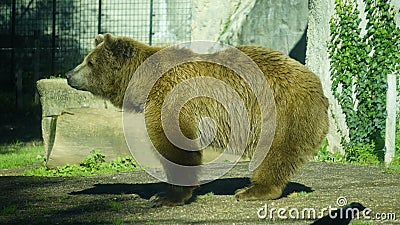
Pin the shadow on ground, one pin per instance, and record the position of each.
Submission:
(226, 186)
(122, 198)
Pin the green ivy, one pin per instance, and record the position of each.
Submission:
(363, 154)
(360, 63)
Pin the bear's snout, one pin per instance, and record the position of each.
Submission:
(70, 81)
(68, 75)
(73, 80)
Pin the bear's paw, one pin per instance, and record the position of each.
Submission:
(258, 192)
(162, 199)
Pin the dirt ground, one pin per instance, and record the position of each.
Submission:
(123, 198)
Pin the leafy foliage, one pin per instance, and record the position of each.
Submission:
(363, 154)
(91, 165)
(323, 155)
(360, 63)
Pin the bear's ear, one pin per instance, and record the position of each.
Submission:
(121, 47)
(109, 41)
(99, 39)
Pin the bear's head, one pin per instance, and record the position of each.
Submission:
(108, 68)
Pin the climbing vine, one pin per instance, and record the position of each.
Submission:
(361, 59)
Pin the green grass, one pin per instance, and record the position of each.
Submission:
(361, 223)
(57, 76)
(394, 167)
(302, 193)
(117, 222)
(8, 210)
(113, 205)
(21, 154)
(93, 164)
(206, 196)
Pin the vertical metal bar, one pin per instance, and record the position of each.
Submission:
(99, 19)
(151, 23)
(13, 17)
(20, 91)
(18, 97)
(53, 39)
(36, 65)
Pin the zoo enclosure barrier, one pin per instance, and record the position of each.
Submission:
(43, 38)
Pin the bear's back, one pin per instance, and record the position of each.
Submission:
(297, 94)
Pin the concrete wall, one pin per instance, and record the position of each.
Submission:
(318, 61)
(210, 17)
(280, 25)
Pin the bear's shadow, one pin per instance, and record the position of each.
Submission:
(226, 186)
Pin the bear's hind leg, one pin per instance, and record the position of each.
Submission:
(271, 177)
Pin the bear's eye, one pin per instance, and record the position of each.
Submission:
(90, 63)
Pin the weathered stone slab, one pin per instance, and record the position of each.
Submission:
(76, 122)
(48, 132)
(81, 130)
(56, 95)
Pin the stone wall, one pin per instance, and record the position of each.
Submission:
(280, 25)
(318, 61)
(210, 17)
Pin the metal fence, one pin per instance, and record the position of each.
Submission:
(41, 38)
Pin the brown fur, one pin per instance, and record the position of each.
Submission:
(301, 108)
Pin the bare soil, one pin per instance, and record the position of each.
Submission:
(123, 198)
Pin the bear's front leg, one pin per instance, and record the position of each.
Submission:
(181, 168)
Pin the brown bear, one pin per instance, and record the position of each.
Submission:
(300, 107)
